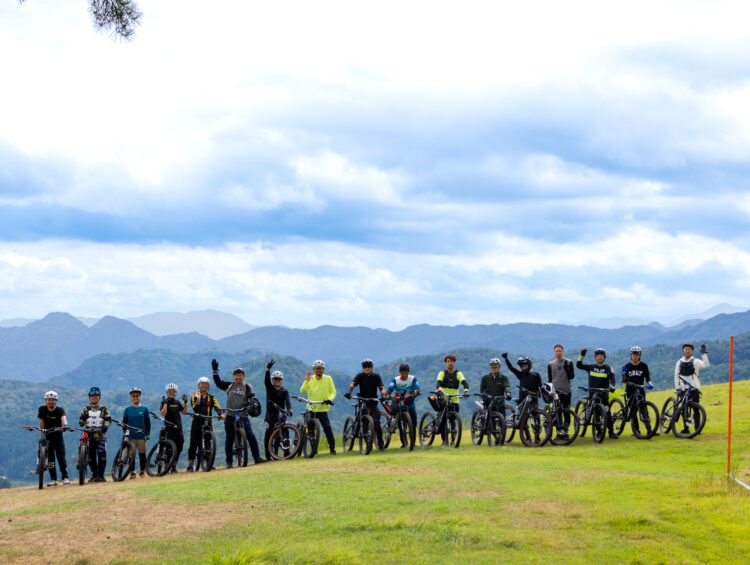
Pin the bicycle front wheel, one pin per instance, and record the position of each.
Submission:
(284, 442)
(240, 447)
(598, 422)
(406, 431)
(534, 428)
(581, 415)
(617, 413)
(159, 459)
(41, 464)
(366, 433)
(477, 427)
(689, 421)
(453, 429)
(497, 424)
(427, 429)
(208, 449)
(83, 461)
(311, 438)
(123, 463)
(510, 424)
(349, 434)
(386, 425)
(667, 413)
(645, 421)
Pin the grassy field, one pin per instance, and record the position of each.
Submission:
(627, 501)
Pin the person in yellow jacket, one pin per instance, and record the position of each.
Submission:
(318, 386)
(448, 382)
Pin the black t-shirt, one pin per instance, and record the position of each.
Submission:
(636, 374)
(174, 408)
(52, 418)
(369, 385)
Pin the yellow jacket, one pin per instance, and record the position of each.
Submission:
(319, 389)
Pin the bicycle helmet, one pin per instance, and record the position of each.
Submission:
(635, 349)
(94, 391)
(204, 380)
(277, 375)
(403, 367)
(599, 350)
(688, 344)
(548, 392)
(494, 362)
(524, 361)
(171, 386)
(238, 370)
(135, 389)
(318, 363)
(366, 362)
(50, 394)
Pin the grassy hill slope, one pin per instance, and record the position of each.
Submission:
(627, 501)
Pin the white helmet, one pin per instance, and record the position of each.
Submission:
(204, 380)
(635, 349)
(494, 361)
(318, 363)
(50, 394)
(171, 386)
(277, 375)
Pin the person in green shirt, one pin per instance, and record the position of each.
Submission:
(495, 384)
(448, 382)
(318, 386)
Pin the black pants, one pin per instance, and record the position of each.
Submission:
(441, 428)
(603, 397)
(565, 403)
(179, 441)
(98, 456)
(196, 429)
(374, 413)
(56, 448)
(229, 429)
(325, 423)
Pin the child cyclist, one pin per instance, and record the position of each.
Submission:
(138, 417)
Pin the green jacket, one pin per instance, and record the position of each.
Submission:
(319, 389)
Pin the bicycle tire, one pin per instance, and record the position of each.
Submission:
(453, 429)
(159, 458)
(240, 447)
(301, 428)
(427, 429)
(617, 413)
(580, 412)
(477, 427)
(284, 442)
(496, 433)
(598, 422)
(534, 428)
(349, 434)
(386, 426)
(123, 463)
(83, 462)
(41, 465)
(666, 415)
(312, 438)
(646, 414)
(406, 431)
(555, 438)
(366, 433)
(207, 451)
(692, 426)
(510, 424)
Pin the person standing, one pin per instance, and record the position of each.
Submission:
(602, 378)
(560, 372)
(688, 368)
(369, 384)
(239, 394)
(53, 416)
(448, 382)
(203, 404)
(138, 417)
(171, 408)
(528, 379)
(97, 419)
(276, 396)
(407, 386)
(319, 386)
(496, 385)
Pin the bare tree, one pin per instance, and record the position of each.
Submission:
(118, 17)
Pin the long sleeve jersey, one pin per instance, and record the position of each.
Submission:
(600, 376)
(530, 380)
(689, 369)
(279, 397)
(319, 389)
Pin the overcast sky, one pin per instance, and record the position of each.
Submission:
(379, 164)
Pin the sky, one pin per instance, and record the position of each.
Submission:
(378, 164)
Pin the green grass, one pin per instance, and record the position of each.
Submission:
(627, 501)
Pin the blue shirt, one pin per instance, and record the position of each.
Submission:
(404, 387)
(138, 418)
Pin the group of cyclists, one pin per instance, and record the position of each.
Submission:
(241, 400)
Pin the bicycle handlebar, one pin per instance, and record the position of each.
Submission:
(202, 415)
(446, 395)
(301, 399)
(47, 430)
(123, 425)
(162, 419)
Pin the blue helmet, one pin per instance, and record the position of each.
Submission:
(94, 390)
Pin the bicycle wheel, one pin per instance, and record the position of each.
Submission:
(386, 425)
(207, 450)
(284, 442)
(645, 420)
(477, 427)
(123, 463)
(83, 460)
(534, 428)
(617, 413)
(454, 428)
(563, 434)
(366, 433)
(311, 438)
(510, 424)
(598, 422)
(240, 447)
(581, 415)
(349, 434)
(427, 429)
(689, 421)
(41, 464)
(496, 434)
(159, 458)
(406, 431)
(667, 413)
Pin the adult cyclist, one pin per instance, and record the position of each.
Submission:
(448, 382)
(276, 395)
(688, 367)
(171, 408)
(601, 377)
(206, 405)
(636, 372)
(97, 419)
(319, 386)
(369, 384)
(407, 386)
(496, 385)
(53, 416)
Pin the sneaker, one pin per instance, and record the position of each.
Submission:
(102, 479)
(173, 470)
(93, 480)
(259, 461)
(52, 484)
(685, 431)
(229, 465)
(132, 475)
(189, 469)
(66, 481)
(142, 474)
(613, 436)
(333, 452)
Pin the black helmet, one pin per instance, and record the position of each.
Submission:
(366, 363)
(524, 361)
(598, 351)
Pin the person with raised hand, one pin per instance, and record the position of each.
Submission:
(601, 377)
(276, 395)
(171, 408)
(319, 386)
(528, 379)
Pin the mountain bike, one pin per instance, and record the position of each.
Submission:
(239, 447)
(562, 419)
(360, 426)
(593, 414)
(161, 456)
(309, 429)
(42, 462)
(533, 424)
(487, 421)
(444, 416)
(206, 452)
(678, 410)
(398, 420)
(285, 440)
(617, 414)
(124, 462)
(82, 459)
(638, 411)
